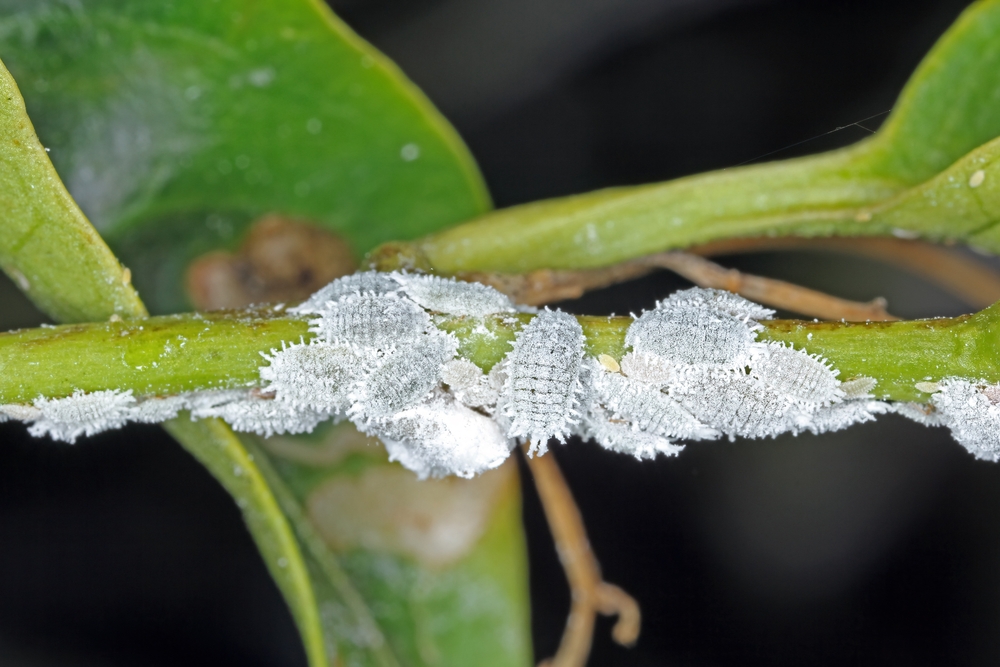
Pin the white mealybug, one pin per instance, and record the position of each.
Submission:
(647, 408)
(441, 437)
(734, 403)
(316, 375)
(839, 416)
(248, 413)
(468, 383)
(372, 282)
(972, 416)
(858, 387)
(651, 368)
(453, 297)
(378, 321)
(401, 378)
(796, 374)
(68, 418)
(157, 409)
(690, 335)
(720, 301)
(621, 437)
(543, 389)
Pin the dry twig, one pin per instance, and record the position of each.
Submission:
(589, 593)
(545, 286)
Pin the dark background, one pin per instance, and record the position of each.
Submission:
(878, 545)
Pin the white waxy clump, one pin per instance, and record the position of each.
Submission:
(157, 409)
(402, 378)
(440, 437)
(647, 408)
(972, 415)
(469, 384)
(689, 335)
(839, 416)
(251, 413)
(619, 436)
(801, 377)
(68, 418)
(369, 282)
(379, 321)
(317, 375)
(453, 297)
(543, 389)
(922, 413)
(645, 367)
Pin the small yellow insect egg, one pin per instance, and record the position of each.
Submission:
(609, 363)
(977, 178)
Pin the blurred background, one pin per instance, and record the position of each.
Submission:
(878, 545)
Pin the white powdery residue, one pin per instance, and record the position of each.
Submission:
(651, 368)
(735, 403)
(839, 416)
(543, 389)
(621, 437)
(68, 418)
(796, 374)
(379, 321)
(359, 283)
(19, 412)
(685, 334)
(441, 437)
(858, 387)
(720, 301)
(402, 377)
(469, 384)
(248, 413)
(453, 297)
(317, 375)
(922, 413)
(647, 408)
(156, 409)
(974, 419)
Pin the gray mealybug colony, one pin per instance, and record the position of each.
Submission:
(693, 370)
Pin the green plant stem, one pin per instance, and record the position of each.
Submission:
(168, 355)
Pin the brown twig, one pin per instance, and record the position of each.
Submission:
(589, 593)
(545, 286)
(955, 271)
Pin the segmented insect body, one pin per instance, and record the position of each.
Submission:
(651, 368)
(453, 297)
(378, 321)
(157, 409)
(973, 418)
(797, 375)
(719, 301)
(621, 437)
(440, 437)
(543, 387)
(648, 408)
(68, 418)
(317, 375)
(369, 282)
(687, 335)
(402, 378)
(735, 403)
(858, 387)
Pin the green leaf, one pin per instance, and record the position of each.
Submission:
(58, 259)
(174, 124)
(47, 247)
(950, 106)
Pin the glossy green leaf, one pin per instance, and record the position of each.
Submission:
(950, 106)
(59, 260)
(175, 123)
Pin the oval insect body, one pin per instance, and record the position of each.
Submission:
(453, 297)
(378, 321)
(401, 378)
(687, 335)
(368, 282)
(797, 375)
(317, 375)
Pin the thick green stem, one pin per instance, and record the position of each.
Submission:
(168, 355)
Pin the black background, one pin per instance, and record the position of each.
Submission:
(878, 545)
